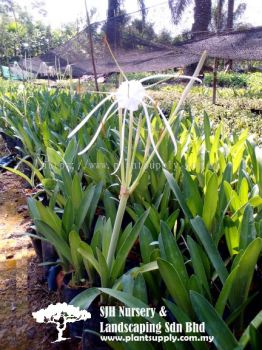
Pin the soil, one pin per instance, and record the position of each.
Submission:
(22, 290)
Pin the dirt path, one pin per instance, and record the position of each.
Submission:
(22, 290)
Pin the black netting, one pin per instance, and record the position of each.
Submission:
(135, 54)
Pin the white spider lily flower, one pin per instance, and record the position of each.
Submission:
(21, 88)
(130, 96)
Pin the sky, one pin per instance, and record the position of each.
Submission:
(64, 11)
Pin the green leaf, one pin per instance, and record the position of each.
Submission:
(242, 282)
(193, 198)
(243, 191)
(232, 235)
(232, 197)
(183, 318)
(215, 145)
(70, 152)
(110, 205)
(104, 271)
(48, 216)
(140, 290)
(145, 239)
(256, 322)
(227, 176)
(247, 228)
(179, 196)
(54, 157)
(87, 253)
(106, 234)
(225, 292)
(76, 192)
(123, 251)
(74, 242)
(198, 264)
(207, 131)
(96, 193)
(215, 326)
(170, 251)
(57, 241)
(84, 205)
(210, 201)
(85, 299)
(210, 248)
(68, 216)
(175, 286)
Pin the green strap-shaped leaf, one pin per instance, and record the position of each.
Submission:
(74, 242)
(210, 201)
(225, 292)
(175, 286)
(210, 248)
(170, 251)
(76, 191)
(198, 264)
(127, 245)
(179, 195)
(86, 251)
(57, 241)
(247, 228)
(214, 325)
(182, 318)
(242, 282)
(193, 198)
(68, 216)
(85, 299)
(84, 206)
(104, 271)
(140, 290)
(256, 322)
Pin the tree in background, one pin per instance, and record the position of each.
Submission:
(21, 36)
(115, 19)
(143, 10)
(229, 17)
(202, 19)
(202, 14)
(230, 14)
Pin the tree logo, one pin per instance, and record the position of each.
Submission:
(61, 314)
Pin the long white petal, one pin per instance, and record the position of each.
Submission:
(166, 122)
(122, 144)
(85, 120)
(151, 135)
(158, 76)
(98, 129)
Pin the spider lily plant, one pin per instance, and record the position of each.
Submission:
(128, 98)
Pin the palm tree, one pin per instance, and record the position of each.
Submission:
(230, 14)
(225, 14)
(202, 19)
(142, 7)
(112, 27)
(202, 14)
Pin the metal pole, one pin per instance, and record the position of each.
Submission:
(91, 46)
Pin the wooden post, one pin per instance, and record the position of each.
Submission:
(91, 47)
